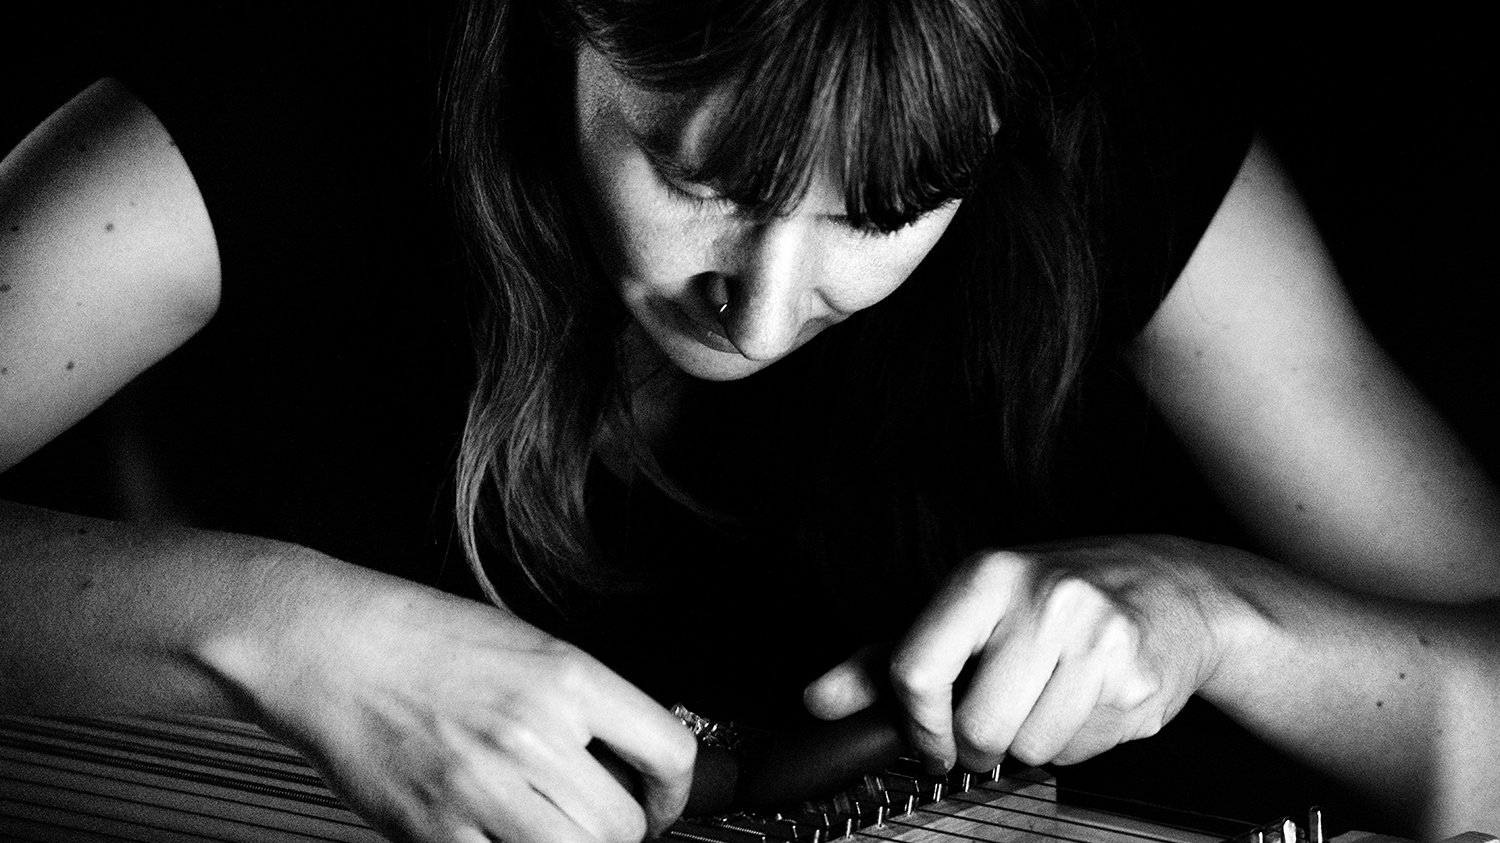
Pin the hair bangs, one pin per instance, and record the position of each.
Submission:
(881, 98)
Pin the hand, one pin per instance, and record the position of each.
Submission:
(1049, 654)
(442, 719)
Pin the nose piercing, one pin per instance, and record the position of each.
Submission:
(717, 292)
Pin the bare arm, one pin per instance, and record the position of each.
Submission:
(438, 718)
(1346, 476)
(1365, 640)
(107, 262)
(1305, 427)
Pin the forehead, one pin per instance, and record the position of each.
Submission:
(675, 124)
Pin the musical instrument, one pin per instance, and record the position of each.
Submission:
(192, 779)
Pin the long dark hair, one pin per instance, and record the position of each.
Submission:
(924, 101)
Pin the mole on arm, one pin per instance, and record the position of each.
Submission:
(70, 365)
(4, 288)
(109, 226)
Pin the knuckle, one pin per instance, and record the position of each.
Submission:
(995, 565)
(1119, 631)
(910, 677)
(572, 671)
(979, 733)
(515, 738)
(1032, 751)
(1132, 690)
(1146, 729)
(915, 675)
(1075, 595)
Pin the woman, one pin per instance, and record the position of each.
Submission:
(959, 187)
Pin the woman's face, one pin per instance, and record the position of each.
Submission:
(676, 251)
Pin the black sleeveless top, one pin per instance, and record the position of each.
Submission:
(324, 403)
(733, 617)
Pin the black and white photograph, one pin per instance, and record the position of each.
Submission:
(749, 421)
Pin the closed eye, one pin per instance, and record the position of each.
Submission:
(674, 176)
(697, 194)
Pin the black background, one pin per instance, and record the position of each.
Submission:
(324, 404)
(305, 409)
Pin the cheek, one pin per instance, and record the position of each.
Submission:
(873, 268)
(860, 280)
(647, 241)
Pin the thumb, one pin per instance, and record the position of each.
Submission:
(852, 685)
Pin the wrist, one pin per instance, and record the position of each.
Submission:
(274, 635)
(1251, 639)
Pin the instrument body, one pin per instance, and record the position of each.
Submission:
(194, 779)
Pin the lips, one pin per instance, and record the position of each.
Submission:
(695, 323)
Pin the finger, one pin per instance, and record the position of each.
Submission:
(1099, 689)
(503, 778)
(1011, 674)
(1129, 708)
(589, 794)
(849, 687)
(955, 626)
(651, 740)
(1062, 711)
(520, 814)
(1105, 728)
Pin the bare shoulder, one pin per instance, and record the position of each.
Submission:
(108, 262)
(1308, 430)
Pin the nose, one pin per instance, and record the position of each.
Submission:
(766, 288)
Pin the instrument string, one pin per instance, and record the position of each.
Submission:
(127, 784)
(1049, 817)
(957, 835)
(1045, 822)
(151, 780)
(107, 759)
(1197, 816)
(81, 814)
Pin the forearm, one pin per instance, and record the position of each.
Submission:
(1401, 700)
(100, 616)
